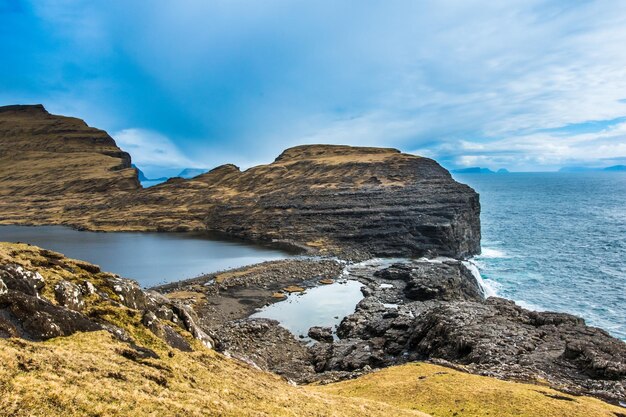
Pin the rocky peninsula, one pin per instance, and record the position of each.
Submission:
(424, 327)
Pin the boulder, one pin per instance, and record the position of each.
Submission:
(19, 279)
(165, 332)
(321, 334)
(130, 294)
(190, 319)
(69, 295)
(37, 319)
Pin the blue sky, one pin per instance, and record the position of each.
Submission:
(527, 85)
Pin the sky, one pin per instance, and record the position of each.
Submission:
(527, 85)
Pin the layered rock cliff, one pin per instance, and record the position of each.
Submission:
(338, 199)
(44, 154)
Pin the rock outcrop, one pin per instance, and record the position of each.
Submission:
(338, 199)
(78, 297)
(411, 311)
(450, 320)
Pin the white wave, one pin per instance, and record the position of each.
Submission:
(485, 285)
(492, 253)
(529, 306)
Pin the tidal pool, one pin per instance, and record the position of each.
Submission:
(149, 258)
(325, 305)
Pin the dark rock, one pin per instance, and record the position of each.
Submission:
(495, 337)
(600, 359)
(174, 339)
(130, 294)
(190, 320)
(117, 332)
(37, 319)
(266, 345)
(165, 332)
(69, 295)
(321, 334)
(18, 279)
(440, 281)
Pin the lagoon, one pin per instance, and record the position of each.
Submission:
(150, 258)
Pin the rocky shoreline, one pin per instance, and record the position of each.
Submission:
(411, 311)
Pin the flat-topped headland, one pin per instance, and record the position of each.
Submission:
(334, 199)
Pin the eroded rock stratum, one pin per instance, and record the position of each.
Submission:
(338, 199)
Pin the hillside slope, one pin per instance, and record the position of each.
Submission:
(123, 361)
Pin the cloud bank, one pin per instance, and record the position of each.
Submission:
(530, 85)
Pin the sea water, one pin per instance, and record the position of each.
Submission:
(556, 241)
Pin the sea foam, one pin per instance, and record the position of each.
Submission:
(486, 286)
(492, 253)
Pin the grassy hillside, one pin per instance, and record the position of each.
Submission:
(88, 375)
(446, 392)
(96, 374)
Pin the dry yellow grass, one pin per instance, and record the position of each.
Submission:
(441, 391)
(84, 375)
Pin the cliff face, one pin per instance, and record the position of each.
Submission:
(335, 198)
(50, 155)
(379, 200)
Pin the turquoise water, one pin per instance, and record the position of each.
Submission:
(556, 241)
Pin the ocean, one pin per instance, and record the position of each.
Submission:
(556, 241)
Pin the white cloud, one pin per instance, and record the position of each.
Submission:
(462, 81)
(152, 149)
(545, 150)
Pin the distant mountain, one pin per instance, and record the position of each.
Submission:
(579, 169)
(503, 171)
(191, 172)
(142, 177)
(473, 170)
(614, 168)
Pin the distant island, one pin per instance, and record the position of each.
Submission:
(192, 172)
(613, 168)
(479, 170)
(186, 173)
(142, 177)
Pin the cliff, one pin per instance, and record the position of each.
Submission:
(337, 199)
(43, 154)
